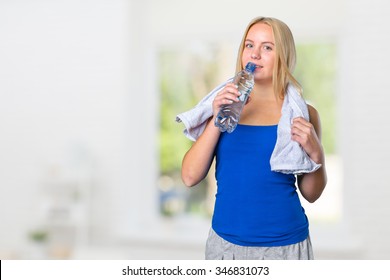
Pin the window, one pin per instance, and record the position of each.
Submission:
(188, 75)
(316, 71)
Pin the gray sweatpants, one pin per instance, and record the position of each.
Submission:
(218, 248)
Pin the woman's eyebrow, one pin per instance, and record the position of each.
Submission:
(266, 42)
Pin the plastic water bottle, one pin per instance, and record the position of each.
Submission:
(229, 115)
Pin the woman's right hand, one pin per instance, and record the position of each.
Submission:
(227, 95)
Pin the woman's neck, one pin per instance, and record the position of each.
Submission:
(263, 108)
(264, 92)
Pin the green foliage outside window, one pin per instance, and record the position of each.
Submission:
(316, 71)
(186, 77)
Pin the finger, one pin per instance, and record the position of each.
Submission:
(232, 88)
(228, 95)
(302, 125)
(224, 100)
(302, 121)
(232, 85)
(301, 128)
(301, 133)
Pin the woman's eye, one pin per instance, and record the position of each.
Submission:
(249, 45)
(268, 48)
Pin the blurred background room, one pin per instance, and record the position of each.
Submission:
(90, 152)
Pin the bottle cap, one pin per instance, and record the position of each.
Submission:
(250, 67)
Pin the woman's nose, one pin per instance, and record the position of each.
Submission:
(255, 54)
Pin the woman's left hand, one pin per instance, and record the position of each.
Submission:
(304, 133)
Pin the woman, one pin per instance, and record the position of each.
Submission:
(257, 212)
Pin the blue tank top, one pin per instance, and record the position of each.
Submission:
(255, 206)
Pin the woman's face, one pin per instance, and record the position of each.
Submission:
(259, 48)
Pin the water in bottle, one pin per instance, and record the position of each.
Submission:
(229, 115)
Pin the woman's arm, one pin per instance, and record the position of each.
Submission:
(308, 135)
(197, 161)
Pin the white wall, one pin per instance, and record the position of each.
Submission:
(363, 114)
(79, 97)
(64, 89)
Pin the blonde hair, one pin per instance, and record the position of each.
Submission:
(285, 58)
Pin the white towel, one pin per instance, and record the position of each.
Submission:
(288, 156)
(195, 119)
